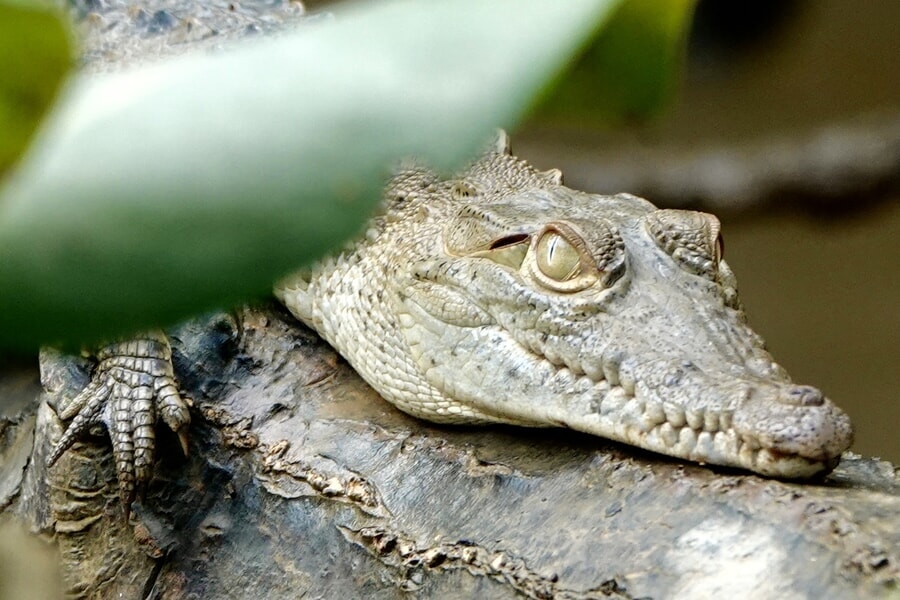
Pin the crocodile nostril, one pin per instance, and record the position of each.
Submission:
(804, 395)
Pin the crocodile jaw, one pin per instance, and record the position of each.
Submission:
(769, 426)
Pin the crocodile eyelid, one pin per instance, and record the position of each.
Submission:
(509, 250)
(509, 240)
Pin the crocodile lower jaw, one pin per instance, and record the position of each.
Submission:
(705, 436)
(725, 448)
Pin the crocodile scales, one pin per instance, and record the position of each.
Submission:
(502, 296)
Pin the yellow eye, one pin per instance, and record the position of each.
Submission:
(557, 258)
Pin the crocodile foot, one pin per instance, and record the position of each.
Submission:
(133, 384)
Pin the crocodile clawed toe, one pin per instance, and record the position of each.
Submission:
(132, 387)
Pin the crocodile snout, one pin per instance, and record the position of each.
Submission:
(794, 420)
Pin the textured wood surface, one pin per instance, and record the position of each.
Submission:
(302, 481)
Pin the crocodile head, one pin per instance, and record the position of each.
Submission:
(507, 297)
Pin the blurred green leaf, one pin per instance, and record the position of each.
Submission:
(34, 57)
(195, 183)
(630, 72)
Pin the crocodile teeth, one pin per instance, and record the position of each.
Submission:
(703, 444)
(694, 418)
(627, 383)
(687, 438)
(575, 368)
(668, 434)
(649, 417)
(725, 420)
(655, 414)
(553, 357)
(711, 421)
(727, 442)
(614, 401)
(594, 371)
(674, 415)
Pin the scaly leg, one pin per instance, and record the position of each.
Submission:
(132, 385)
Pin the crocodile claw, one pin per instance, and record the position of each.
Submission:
(133, 385)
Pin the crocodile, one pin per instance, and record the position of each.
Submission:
(503, 296)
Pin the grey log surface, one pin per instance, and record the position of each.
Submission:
(302, 482)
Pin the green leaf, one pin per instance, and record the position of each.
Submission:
(630, 72)
(195, 183)
(34, 57)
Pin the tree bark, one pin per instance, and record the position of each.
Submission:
(302, 481)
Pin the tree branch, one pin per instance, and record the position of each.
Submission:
(837, 169)
(301, 479)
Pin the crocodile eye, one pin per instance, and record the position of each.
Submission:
(562, 258)
(556, 257)
(719, 248)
